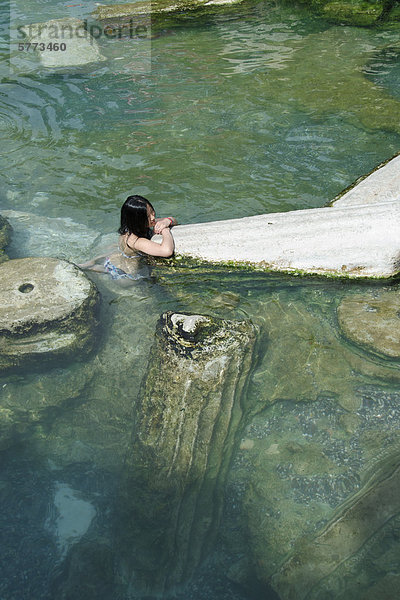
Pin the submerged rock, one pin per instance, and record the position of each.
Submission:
(88, 572)
(335, 88)
(358, 12)
(5, 235)
(319, 496)
(80, 47)
(31, 403)
(314, 560)
(187, 419)
(40, 235)
(159, 9)
(47, 312)
(373, 321)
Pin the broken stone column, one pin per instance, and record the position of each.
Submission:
(187, 418)
(47, 311)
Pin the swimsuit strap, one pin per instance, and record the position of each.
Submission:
(127, 255)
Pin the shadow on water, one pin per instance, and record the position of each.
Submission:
(35, 563)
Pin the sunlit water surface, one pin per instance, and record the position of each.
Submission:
(224, 125)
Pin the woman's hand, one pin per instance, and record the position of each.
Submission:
(162, 224)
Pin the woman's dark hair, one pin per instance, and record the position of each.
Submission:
(134, 217)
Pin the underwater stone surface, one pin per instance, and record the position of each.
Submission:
(40, 235)
(81, 47)
(47, 311)
(5, 235)
(187, 418)
(318, 490)
(29, 404)
(373, 321)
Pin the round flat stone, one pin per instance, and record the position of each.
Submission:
(373, 321)
(47, 308)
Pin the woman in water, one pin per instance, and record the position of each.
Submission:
(138, 219)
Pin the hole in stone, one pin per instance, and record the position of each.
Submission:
(25, 288)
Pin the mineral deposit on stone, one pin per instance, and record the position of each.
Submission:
(47, 310)
(188, 417)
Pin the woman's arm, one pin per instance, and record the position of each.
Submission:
(91, 263)
(165, 249)
(163, 223)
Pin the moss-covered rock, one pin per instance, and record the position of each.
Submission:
(361, 13)
(5, 235)
(353, 13)
(349, 12)
(158, 8)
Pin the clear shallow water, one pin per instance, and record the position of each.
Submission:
(225, 125)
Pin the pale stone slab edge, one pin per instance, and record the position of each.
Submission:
(358, 236)
(355, 241)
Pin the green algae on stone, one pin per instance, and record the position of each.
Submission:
(373, 321)
(359, 13)
(157, 7)
(350, 13)
(188, 416)
(5, 235)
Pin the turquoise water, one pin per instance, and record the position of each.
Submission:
(239, 115)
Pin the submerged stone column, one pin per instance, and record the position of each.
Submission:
(187, 418)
